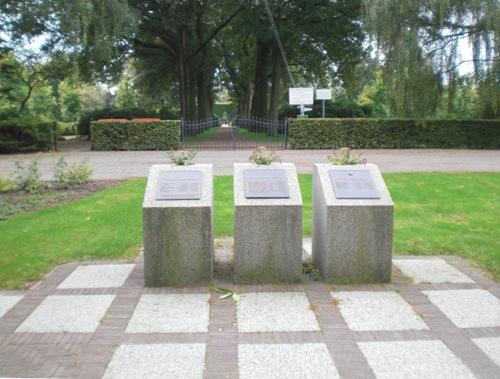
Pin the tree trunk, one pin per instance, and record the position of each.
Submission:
(27, 97)
(245, 95)
(204, 101)
(275, 84)
(186, 84)
(260, 99)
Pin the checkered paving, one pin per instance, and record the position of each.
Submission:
(439, 318)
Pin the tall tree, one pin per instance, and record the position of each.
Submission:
(418, 40)
(126, 96)
(321, 39)
(181, 35)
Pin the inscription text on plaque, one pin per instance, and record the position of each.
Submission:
(266, 184)
(355, 184)
(179, 185)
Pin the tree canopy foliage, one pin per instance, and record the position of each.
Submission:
(419, 42)
(382, 57)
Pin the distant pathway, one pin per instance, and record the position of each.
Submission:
(125, 164)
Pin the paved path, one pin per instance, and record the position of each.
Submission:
(125, 164)
(441, 320)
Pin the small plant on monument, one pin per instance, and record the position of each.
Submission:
(345, 157)
(27, 177)
(181, 157)
(263, 156)
(72, 174)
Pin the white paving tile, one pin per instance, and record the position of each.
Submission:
(377, 310)
(413, 359)
(170, 313)
(98, 276)
(7, 302)
(160, 361)
(433, 270)
(490, 346)
(467, 308)
(275, 312)
(75, 314)
(266, 361)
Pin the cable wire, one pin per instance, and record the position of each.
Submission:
(278, 40)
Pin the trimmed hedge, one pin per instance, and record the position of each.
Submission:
(20, 137)
(369, 133)
(135, 135)
(83, 126)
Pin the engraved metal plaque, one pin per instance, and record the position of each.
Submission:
(356, 184)
(179, 185)
(266, 184)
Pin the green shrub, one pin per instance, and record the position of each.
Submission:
(7, 185)
(72, 174)
(131, 135)
(25, 135)
(366, 133)
(60, 170)
(77, 173)
(27, 177)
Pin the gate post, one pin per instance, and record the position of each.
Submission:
(182, 129)
(235, 131)
(285, 122)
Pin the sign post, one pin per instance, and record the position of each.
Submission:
(323, 94)
(301, 96)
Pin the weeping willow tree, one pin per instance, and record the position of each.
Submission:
(418, 43)
(91, 34)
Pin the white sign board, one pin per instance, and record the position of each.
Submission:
(301, 96)
(324, 94)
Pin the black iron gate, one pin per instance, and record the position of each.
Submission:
(234, 133)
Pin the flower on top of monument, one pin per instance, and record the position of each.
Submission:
(345, 157)
(181, 157)
(263, 156)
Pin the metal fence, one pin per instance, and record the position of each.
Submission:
(234, 133)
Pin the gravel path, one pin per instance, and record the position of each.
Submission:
(126, 164)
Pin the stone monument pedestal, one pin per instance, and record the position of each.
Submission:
(352, 229)
(267, 223)
(178, 225)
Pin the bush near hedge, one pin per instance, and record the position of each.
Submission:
(83, 126)
(366, 133)
(19, 136)
(135, 135)
(86, 118)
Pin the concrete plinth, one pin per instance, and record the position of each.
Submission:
(267, 232)
(178, 234)
(352, 238)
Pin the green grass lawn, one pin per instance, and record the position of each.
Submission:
(435, 213)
